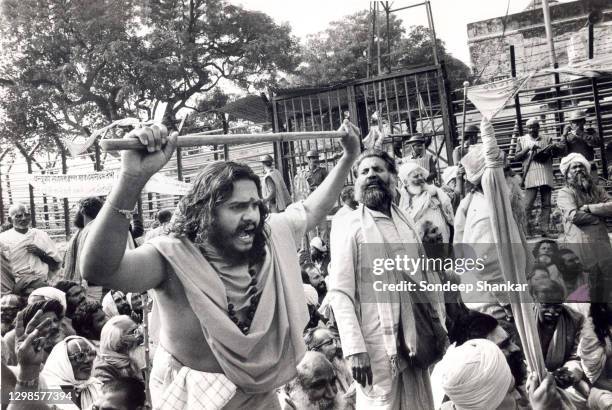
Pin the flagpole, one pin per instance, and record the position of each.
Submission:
(462, 140)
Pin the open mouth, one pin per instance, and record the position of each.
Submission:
(247, 234)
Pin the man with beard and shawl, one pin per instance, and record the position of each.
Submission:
(389, 338)
(314, 388)
(322, 340)
(476, 325)
(423, 201)
(559, 330)
(121, 350)
(223, 256)
(585, 206)
(115, 303)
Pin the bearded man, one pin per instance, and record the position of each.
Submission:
(559, 329)
(222, 257)
(585, 206)
(387, 351)
(322, 340)
(314, 388)
(423, 201)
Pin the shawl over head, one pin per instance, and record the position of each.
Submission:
(449, 174)
(476, 376)
(58, 372)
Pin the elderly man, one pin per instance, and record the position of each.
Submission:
(423, 201)
(537, 152)
(417, 153)
(388, 352)
(32, 252)
(585, 206)
(559, 330)
(321, 339)
(275, 193)
(580, 140)
(224, 255)
(314, 388)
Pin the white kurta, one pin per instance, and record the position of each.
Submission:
(24, 262)
(359, 325)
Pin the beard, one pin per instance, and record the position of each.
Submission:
(321, 289)
(303, 402)
(374, 194)
(517, 368)
(219, 239)
(414, 189)
(581, 182)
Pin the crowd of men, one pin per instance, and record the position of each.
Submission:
(223, 304)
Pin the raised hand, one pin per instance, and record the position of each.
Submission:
(160, 147)
(350, 143)
(29, 342)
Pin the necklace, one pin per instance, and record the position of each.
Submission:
(245, 324)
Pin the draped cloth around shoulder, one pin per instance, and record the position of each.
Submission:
(267, 356)
(512, 258)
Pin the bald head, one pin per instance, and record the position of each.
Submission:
(315, 382)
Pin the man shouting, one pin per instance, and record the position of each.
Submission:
(223, 257)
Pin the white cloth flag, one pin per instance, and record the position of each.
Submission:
(99, 183)
(491, 98)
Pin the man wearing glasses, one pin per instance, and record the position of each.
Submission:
(32, 252)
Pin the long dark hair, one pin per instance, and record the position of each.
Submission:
(213, 186)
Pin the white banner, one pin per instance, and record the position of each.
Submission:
(99, 184)
(491, 98)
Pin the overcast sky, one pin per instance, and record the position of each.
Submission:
(450, 16)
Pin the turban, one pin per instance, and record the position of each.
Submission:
(48, 292)
(476, 375)
(408, 168)
(533, 121)
(449, 174)
(573, 157)
(111, 341)
(474, 164)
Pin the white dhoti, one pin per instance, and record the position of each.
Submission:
(174, 386)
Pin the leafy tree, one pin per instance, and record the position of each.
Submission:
(84, 63)
(339, 53)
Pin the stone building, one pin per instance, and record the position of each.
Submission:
(489, 40)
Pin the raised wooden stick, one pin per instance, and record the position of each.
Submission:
(199, 139)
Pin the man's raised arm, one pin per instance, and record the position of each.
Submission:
(322, 200)
(104, 258)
